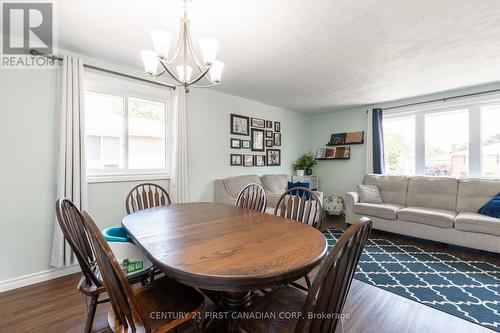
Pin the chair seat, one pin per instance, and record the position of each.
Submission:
(279, 301)
(163, 297)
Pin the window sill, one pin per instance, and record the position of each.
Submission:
(129, 177)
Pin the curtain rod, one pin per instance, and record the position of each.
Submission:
(53, 57)
(442, 99)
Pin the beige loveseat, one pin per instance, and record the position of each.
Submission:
(227, 190)
(442, 209)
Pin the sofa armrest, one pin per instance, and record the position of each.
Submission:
(351, 198)
(221, 193)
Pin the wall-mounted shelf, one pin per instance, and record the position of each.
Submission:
(335, 158)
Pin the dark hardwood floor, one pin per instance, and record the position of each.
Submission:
(55, 306)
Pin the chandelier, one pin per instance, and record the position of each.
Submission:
(208, 69)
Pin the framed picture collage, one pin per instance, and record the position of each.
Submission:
(260, 137)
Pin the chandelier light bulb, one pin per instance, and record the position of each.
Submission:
(184, 76)
(161, 42)
(150, 60)
(216, 71)
(208, 48)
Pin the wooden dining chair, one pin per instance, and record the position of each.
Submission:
(302, 205)
(321, 309)
(153, 308)
(71, 221)
(253, 197)
(146, 195)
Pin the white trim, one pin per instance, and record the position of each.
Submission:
(37, 277)
(126, 177)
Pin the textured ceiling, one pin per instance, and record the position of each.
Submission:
(308, 56)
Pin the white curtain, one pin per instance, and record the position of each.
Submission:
(71, 173)
(369, 142)
(179, 177)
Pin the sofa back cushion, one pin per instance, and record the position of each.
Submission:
(392, 188)
(473, 193)
(275, 183)
(432, 192)
(234, 185)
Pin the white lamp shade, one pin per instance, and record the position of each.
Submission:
(150, 60)
(216, 70)
(161, 42)
(208, 48)
(184, 77)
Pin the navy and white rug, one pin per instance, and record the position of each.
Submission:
(466, 289)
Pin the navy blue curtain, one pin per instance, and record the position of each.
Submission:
(378, 142)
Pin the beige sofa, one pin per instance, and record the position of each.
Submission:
(227, 190)
(442, 209)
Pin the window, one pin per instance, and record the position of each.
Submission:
(460, 139)
(447, 143)
(490, 141)
(399, 145)
(125, 135)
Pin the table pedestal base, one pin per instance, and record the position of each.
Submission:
(232, 303)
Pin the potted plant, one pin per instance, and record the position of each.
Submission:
(305, 163)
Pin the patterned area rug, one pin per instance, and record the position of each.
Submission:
(466, 289)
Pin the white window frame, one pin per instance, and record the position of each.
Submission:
(473, 104)
(127, 88)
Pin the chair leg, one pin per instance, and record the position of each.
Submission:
(200, 324)
(308, 281)
(91, 314)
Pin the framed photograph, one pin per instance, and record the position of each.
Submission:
(240, 125)
(235, 143)
(260, 160)
(248, 160)
(246, 144)
(277, 139)
(277, 126)
(269, 124)
(354, 137)
(269, 143)
(256, 122)
(269, 134)
(236, 159)
(257, 139)
(273, 157)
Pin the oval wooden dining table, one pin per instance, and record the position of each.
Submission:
(226, 248)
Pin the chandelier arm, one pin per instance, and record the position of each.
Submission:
(204, 86)
(157, 74)
(178, 47)
(165, 66)
(203, 73)
(191, 48)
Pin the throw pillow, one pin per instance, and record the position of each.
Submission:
(369, 194)
(301, 192)
(491, 208)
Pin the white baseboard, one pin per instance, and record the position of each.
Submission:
(33, 278)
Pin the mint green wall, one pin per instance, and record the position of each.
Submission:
(338, 176)
(28, 133)
(209, 132)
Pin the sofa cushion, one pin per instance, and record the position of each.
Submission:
(432, 192)
(234, 185)
(392, 188)
(384, 211)
(369, 194)
(430, 216)
(275, 183)
(473, 193)
(475, 222)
